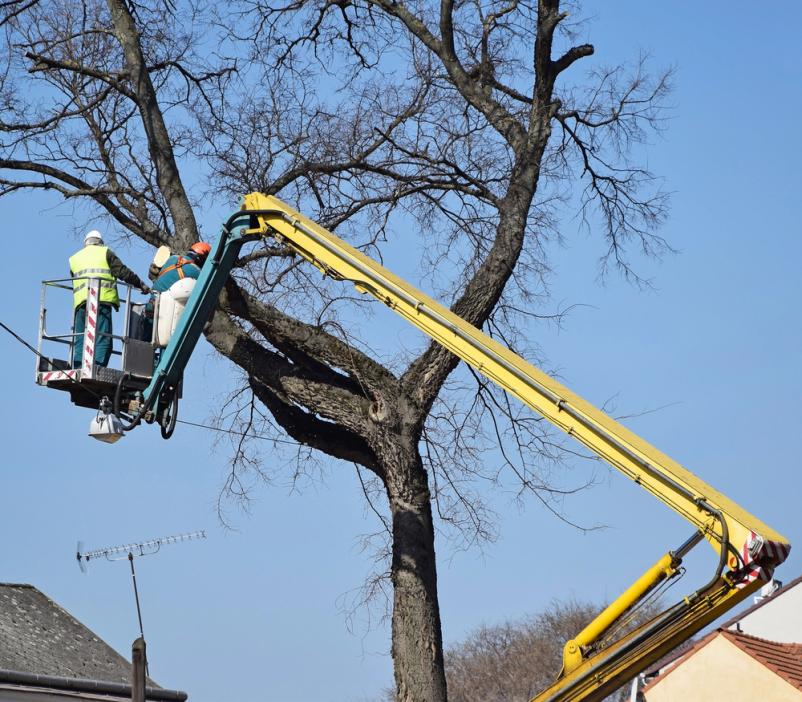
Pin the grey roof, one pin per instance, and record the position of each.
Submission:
(38, 636)
(43, 645)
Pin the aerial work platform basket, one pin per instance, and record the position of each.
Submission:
(132, 351)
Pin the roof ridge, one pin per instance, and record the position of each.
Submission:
(18, 585)
(743, 635)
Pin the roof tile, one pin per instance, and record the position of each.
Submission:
(38, 636)
(784, 659)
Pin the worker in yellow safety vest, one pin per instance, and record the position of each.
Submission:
(95, 260)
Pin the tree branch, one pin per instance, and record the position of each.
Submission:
(286, 388)
(159, 142)
(309, 345)
(80, 188)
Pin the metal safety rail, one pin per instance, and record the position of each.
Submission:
(84, 384)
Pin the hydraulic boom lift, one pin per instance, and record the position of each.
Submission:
(747, 549)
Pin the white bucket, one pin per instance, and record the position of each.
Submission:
(170, 308)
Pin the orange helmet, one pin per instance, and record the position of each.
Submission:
(201, 248)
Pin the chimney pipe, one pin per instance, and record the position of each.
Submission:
(138, 665)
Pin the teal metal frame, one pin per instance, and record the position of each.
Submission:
(158, 395)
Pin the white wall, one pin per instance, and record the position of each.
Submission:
(779, 619)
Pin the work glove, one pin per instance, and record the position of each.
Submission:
(145, 289)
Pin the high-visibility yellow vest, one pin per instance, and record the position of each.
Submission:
(90, 262)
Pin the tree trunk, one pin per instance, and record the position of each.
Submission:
(416, 634)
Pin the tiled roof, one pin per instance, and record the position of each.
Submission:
(784, 659)
(37, 636)
(685, 647)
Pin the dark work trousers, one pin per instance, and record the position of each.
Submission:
(102, 337)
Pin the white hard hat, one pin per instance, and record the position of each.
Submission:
(94, 234)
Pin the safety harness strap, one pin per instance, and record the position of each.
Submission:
(177, 266)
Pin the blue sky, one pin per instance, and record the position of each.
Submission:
(257, 613)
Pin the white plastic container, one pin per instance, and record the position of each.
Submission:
(169, 309)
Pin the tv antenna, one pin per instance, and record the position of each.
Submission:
(130, 551)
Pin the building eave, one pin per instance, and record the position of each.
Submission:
(98, 687)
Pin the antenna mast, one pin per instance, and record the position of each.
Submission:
(130, 551)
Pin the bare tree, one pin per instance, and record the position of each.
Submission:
(512, 662)
(456, 124)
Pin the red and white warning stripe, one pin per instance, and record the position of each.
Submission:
(51, 376)
(90, 329)
(763, 557)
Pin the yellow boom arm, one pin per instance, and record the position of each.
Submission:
(748, 549)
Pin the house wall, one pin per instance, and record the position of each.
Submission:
(721, 671)
(779, 619)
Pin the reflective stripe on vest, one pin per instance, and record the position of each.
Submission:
(90, 262)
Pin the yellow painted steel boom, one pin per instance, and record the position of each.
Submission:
(748, 549)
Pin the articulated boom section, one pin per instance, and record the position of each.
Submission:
(748, 549)
(159, 400)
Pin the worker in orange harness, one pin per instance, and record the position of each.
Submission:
(177, 267)
(97, 261)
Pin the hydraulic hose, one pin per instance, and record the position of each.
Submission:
(118, 391)
(141, 412)
(168, 428)
(670, 616)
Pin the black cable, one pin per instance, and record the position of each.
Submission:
(19, 338)
(238, 433)
(179, 421)
(47, 360)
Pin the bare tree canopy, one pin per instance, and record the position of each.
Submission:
(513, 661)
(467, 129)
